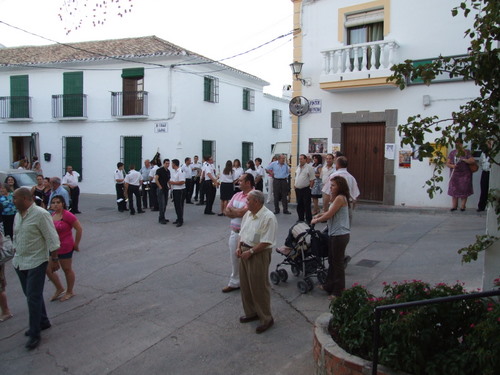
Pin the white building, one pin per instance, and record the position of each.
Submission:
(348, 47)
(94, 104)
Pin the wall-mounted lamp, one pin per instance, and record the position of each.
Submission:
(296, 70)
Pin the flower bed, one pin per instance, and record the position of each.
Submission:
(461, 338)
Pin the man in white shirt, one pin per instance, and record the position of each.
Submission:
(209, 184)
(326, 172)
(133, 181)
(187, 169)
(178, 186)
(119, 184)
(196, 168)
(70, 179)
(146, 184)
(304, 181)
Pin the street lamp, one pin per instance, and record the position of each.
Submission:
(296, 70)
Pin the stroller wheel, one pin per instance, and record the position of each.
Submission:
(309, 283)
(303, 287)
(283, 275)
(275, 278)
(322, 276)
(295, 270)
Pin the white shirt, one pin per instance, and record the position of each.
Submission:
(119, 175)
(258, 228)
(187, 170)
(175, 176)
(152, 173)
(237, 172)
(196, 169)
(326, 173)
(71, 179)
(252, 172)
(351, 182)
(133, 178)
(260, 171)
(303, 176)
(227, 178)
(209, 168)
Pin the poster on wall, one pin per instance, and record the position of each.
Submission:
(318, 145)
(405, 158)
(335, 148)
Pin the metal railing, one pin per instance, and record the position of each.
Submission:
(69, 105)
(129, 103)
(15, 107)
(380, 309)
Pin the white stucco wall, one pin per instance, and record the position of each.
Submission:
(194, 120)
(423, 29)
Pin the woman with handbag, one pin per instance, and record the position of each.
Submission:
(6, 251)
(461, 164)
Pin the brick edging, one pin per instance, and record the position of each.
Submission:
(329, 358)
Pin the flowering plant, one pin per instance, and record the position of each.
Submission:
(461, 337)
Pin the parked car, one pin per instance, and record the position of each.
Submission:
(24, 178)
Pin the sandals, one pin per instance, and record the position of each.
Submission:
(67, 296)
(57, 295)
(5, 317)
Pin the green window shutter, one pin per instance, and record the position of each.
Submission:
(245, 99)
(132, 152)
(207, 89)
(19, 97)
(73, 94)
(133, 73)
(73, 155)
(206, 148)
(246, 153)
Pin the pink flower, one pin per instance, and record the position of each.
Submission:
(398, 296)
(472, 325)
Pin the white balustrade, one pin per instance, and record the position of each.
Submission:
(362, 57)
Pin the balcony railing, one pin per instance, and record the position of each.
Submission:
(68, 106)
(129, 104)
(15, 107)
(364, 60)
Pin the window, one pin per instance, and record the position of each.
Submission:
(248, 99)
(131, 151)
(73, 94)
(19, 97)
(211, 89)
(72, 154)
(246, 153)
(208, 149)
(276, 120)
(133, 92)
(365, 27)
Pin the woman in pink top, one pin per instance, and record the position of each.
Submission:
(65, 222)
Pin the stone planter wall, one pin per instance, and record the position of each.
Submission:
(329, 358)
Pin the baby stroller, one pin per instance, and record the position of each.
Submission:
(305, 251)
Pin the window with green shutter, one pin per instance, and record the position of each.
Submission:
(246, 153)
(132, 152)
(248, 99)
(73, 94)
(19, 97)
(211, 89)
(208, 149)
(73, 154)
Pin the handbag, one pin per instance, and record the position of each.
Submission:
(6, 250)
(474, 167)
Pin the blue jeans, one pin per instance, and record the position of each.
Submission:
(32, 282)
(162, 202)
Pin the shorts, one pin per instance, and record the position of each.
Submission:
(66, 255)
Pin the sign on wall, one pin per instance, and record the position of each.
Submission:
(315, 106)
(161, 127)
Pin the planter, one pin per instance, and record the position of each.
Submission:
(329, 358)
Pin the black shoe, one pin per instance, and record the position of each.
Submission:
(163, 221)
(141, 212)
(154, 209)
(32, 343)
(200, 204)
(179, 225)
(287, 212)
(189, 202)
(76, 212)
(276, 212)
(42, 328)
(209, 213)
(175, 222)
(132, 213)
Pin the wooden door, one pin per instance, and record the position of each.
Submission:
(363, 145)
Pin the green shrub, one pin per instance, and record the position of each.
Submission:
(461, 338)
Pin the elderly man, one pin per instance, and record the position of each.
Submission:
(257, 237)
(304, 181)
(146, 186)
(57, 189)
(34, 238)
(235, 209)
(280, 171)
(70, 180)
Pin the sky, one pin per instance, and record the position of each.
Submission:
(216, 29)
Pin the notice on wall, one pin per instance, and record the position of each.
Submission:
(405, 158)
(335, 148)
(389, 151)
(318, 145)
(315, 106)
(161, 127)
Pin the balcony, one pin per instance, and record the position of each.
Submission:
(129, 104)
(358, 65)
(69, 107)
(15, 108)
